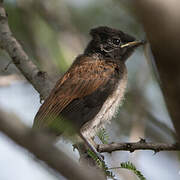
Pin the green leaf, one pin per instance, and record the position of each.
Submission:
(103, 136)
(130, 166)
(101, 164)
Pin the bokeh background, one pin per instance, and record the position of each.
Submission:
(53, 33)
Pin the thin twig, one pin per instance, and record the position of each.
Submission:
(7, 66)
(141, 145)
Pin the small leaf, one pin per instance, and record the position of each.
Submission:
(130, 166)
(103, 136)
(101, 164)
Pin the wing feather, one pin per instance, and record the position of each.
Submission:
(83, 78)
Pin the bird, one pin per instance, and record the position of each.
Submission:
(88, 95)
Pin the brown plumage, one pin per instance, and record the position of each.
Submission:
(85, 77)
(89, 93)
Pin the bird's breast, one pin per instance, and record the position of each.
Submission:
(108, 109)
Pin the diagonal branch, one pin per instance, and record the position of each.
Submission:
(141, 145)
(41, 146)
(42, 83)
(40, 80)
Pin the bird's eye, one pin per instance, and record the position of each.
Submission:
(116, 41)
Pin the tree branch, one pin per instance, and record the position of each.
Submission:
(141, 145)
(161, 23)
(40, 144)
(40, 80)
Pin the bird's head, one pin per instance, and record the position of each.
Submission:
(112, 43)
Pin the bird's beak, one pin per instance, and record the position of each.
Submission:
(134, 44)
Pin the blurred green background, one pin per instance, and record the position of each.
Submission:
(53, 33)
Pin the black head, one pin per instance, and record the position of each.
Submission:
(111, 43)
